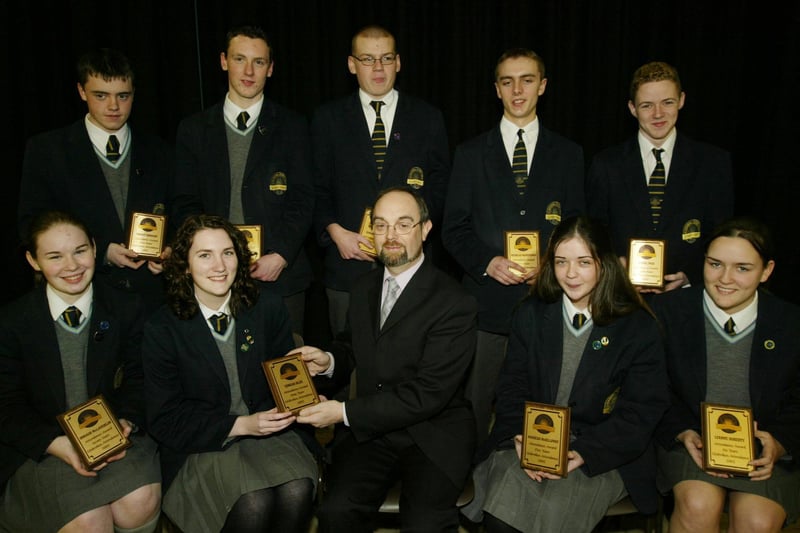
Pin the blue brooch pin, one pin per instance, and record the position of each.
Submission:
(596, 345)
(99, 334)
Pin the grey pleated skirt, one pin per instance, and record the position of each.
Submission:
(783, 486)
(570, 505)
(43, 496)
(208, 484)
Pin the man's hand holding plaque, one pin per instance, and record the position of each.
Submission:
(290, 383)
(544, 445)
(366, 231)
(522, 248)
(252, 233)
(94, 432)
(146, 235)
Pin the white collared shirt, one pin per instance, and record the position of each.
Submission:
(99, 137)
(741, 319)
(402, 279)
(231, 111)
(649, 159)
(508, 130)
(57, 304)
(388, 110)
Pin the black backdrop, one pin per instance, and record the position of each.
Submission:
(739, 62)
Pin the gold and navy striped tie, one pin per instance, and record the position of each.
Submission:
(378, 137)
(578, 320)
(241, 120)
(656, 186)
(219, 322)
(112, 149)
(72, 316)
(730, 326)
(519, 165)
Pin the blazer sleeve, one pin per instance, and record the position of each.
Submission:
(458, 234)
(22, 427)
(128, 400)
(643, 397)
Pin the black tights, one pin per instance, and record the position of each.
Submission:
(285, 508)
(495, 525)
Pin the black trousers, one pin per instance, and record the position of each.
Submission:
(361, 475)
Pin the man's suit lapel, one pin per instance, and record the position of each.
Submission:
(355, 127)
(679, 181)
(632, 173)
(263, 140)
(409, 299)
(501, 180)
(217, 143)
(400, 124)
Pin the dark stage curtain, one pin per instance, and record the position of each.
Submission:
(739, 62)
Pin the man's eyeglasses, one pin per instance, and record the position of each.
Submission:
(404, 227)
(368, 61)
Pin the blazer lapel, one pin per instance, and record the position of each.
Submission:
(414, 293)
(552, 342)
(263, 139)
(103, 341)
(49, 356)
(633, 174)
(599, 348)
(501, 178)
(87, 174)
(355, 127)
(204, 344)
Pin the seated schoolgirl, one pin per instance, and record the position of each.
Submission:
(67, 341)
(585, 340)
(730, 342)
(231, 462)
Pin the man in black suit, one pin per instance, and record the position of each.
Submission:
(518, 176)
(246, 159)
(373, 139)
(102, 171)
(661, 184)
(413, 335)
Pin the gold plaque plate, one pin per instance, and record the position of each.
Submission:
(545, 438)
(522, 247)
(146, 235)
(290, 383)
(728, 438)
(646, 259)
(93, 431)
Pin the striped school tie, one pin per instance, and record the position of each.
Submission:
(241, 120)
(72, 316)
(378, 137)
(519, 165)
(219, 322)
(112, 149)
(656, 185)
